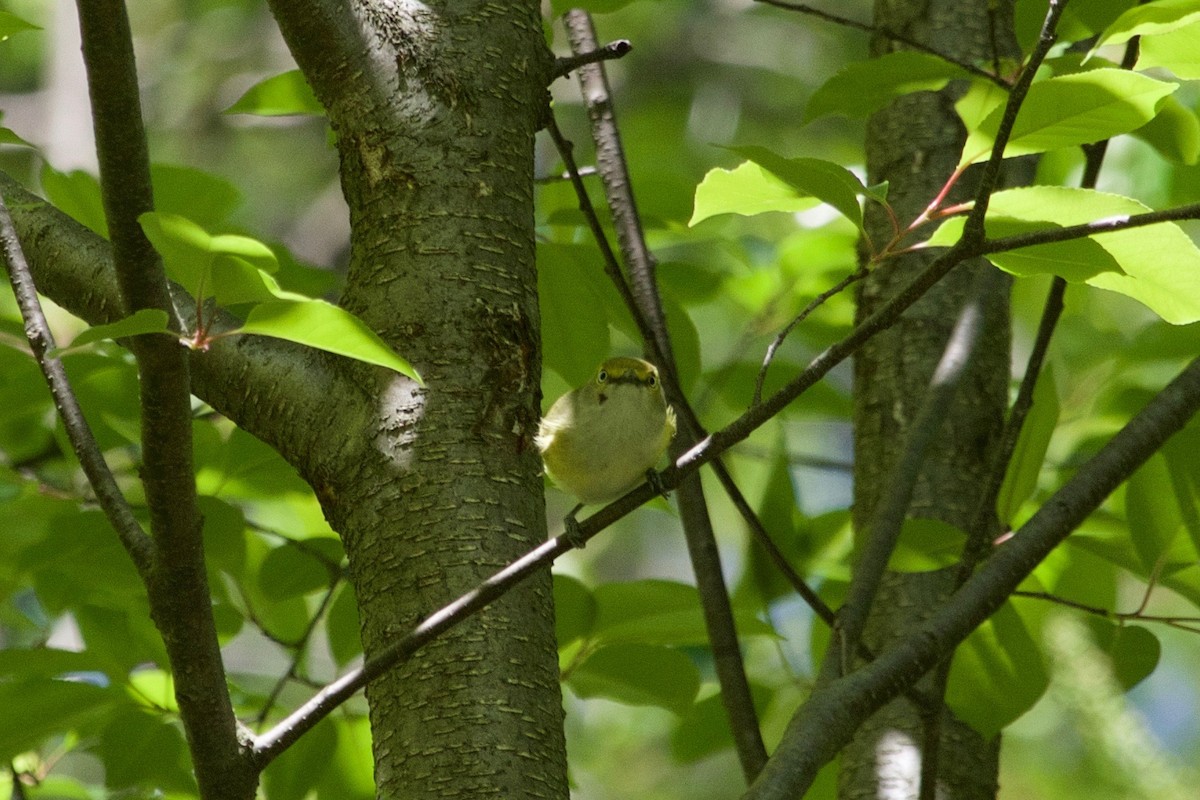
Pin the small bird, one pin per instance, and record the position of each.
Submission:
(598, 441)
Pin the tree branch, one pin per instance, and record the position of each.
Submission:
(609, 52)
(888, 519)
(178, 583)
(139, 546)
(887, 33)
(697, 524)
(827, 721)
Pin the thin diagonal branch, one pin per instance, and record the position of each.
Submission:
(884, 531)
(697, 524)
(887, 33)
(139, 546)
(828, 720)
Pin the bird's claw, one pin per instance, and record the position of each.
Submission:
(654, 478)
(572, 533)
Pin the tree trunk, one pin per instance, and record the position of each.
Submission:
(914, 145)
(445, 487)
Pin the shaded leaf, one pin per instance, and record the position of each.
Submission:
(998, 673)
(1021, 478)
(574, 610)
(640, 675)
(926, 545)
(864, 87)
(148, 320)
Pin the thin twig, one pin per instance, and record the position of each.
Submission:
(41, 341)
(697, 524)
(613, 50)
(813, 305)
(298, 654)
(887, 33)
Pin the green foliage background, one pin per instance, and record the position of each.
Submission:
(87, 704)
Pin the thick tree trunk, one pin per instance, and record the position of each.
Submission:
(436, 154)
(914, 145)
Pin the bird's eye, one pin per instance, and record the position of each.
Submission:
(602, 376)
(653, 380)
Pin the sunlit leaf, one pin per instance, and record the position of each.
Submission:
(10, 23)
(829, 182)
(1148, 19)
(326, 327)
(748, 189)
(1070, 110)
(280, 95)
(1177, 50)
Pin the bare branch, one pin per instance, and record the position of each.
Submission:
(178, 582)
(139, 546)
(612, 50)
(887, 33)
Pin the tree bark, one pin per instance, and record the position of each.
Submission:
(435, 111)
(915, 144)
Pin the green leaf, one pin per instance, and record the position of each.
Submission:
(747, 190)
(575, 335)
(224, 536)
(301, 767)
(1160, 263)
(280, 95)
(1134, 650)
(143, 750)
(350, 772)
(829, 182)
(342, 627)
(658, 612)
(324, 326)
(864, 87)
(9, 136)
(640, 675)
(225, 267)
(1177, 50)
(77, 194)
(36, 709)
(1070, 110)
(292, 571)
(148, 320)
(574, 610)
(926, 545)
(10, 23)
(1021, 479)
(560, 7)
(997, 674)
(1174, 132)
(1161, 16)
(1156, 510)
(202, 197)
(1074, 260)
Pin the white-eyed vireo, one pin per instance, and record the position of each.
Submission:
(599, 441)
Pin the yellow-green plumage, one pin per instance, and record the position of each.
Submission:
(598, 440)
